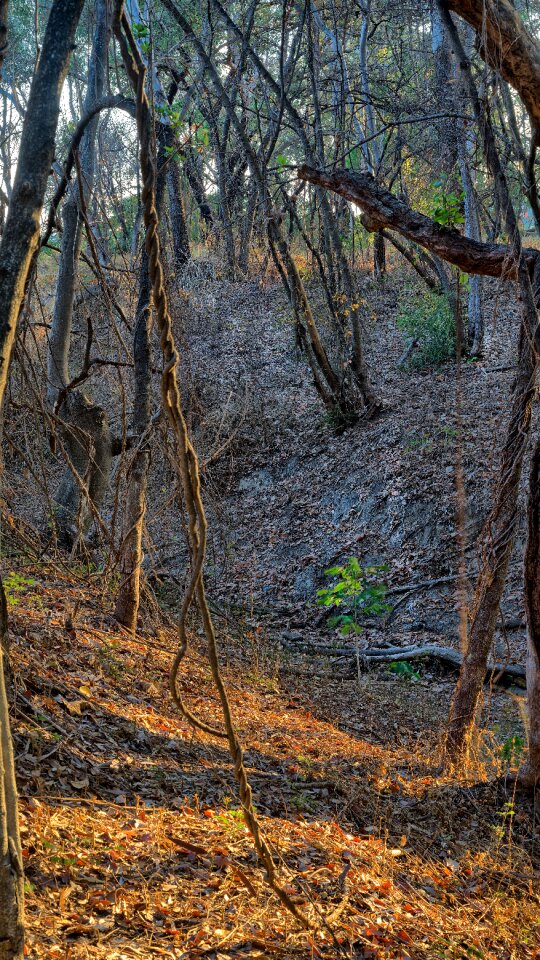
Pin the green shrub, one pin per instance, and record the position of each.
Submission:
(428, 318)
(357, 590)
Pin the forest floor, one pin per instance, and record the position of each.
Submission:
(134, 844)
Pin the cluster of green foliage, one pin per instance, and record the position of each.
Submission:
(16, 584)
(447, 207)
(356, 589)
(430, 321)
(404, 670)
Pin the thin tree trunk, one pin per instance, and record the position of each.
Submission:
(131, 553)
(472, 221)
(247, 228)
(179, 230)
(529, 774)
(86, 435)
(4, 4)
(422, 272)
(60, 336)
(195, 180)
(11, 871)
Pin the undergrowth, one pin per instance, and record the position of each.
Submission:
(428, 319)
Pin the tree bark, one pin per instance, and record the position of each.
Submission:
(86, 433)
(60, 336)
(179, 229)
(36, 154)
(529, 774)
(4, 4)
(381, 209)
(130, 552)
(507, 46)
(17, 247)
(11, 871)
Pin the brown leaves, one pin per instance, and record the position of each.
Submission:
(133, 847)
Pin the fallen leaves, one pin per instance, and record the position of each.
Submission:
(134, 845)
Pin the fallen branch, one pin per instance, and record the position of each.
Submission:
(496, 672)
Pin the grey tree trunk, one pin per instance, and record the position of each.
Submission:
(372, 149)
(464, 139)
(85, 435)
(60, 336)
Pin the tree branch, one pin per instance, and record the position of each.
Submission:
(381, 209)
(507, 46)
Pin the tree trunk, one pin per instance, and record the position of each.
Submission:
(529, 774)
(379, 255)
(11, 872)
(195, 179)
(87, 447)
(36, 154)
(60, 336)
(179, 230)
(131, 554)
(17, 247)
(86, 432)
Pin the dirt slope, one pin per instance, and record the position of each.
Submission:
(290, 496)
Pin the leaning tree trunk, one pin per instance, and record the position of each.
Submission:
(529, 774)
(17, 247)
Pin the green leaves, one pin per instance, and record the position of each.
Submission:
(429, 319)
(356, 588)
(404, 669)
(446, 207)
(14, 585)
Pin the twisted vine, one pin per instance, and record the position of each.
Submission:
(188, 467)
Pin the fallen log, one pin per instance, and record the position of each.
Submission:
(498, 673)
